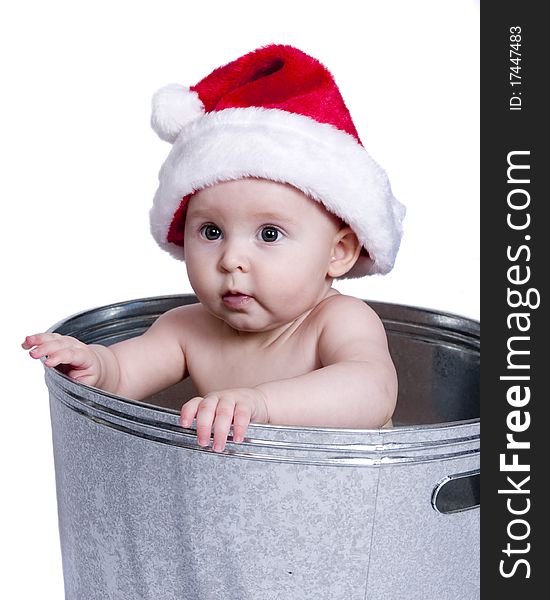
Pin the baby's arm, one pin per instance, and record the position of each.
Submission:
(134, 368)
(357, 384)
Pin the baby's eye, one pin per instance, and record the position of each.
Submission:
(270, 234)
(211, 232)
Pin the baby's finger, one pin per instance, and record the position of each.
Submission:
(36, 339)
(205, 418)
(222, 423)
(241, 421)
(76, 357)
(48, 346)
(188, 411)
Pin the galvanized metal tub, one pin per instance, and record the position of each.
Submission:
(294, 512)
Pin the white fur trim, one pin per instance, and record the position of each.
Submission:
(173, 107)
(319, 159)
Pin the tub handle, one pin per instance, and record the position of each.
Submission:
(457, 493)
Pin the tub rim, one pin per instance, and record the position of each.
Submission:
(311, 446)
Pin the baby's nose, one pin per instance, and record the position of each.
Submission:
(234, 258)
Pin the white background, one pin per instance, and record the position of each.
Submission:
(79, 164)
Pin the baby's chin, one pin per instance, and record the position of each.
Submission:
(247, 323)
(238, 320)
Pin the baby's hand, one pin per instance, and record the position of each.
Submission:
(78, 360)
(239, 406)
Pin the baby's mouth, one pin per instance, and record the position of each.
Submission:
(236, 300)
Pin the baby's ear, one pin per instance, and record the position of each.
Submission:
(345, 252)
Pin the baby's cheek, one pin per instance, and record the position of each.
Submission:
(199, 277)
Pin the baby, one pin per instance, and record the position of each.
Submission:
(269, 196)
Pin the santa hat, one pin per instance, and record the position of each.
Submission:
(275, 113)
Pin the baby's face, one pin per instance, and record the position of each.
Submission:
(257, 252)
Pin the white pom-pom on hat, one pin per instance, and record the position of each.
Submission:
(173, 107)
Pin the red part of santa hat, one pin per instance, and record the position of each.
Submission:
(274, 113)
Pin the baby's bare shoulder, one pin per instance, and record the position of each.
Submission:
(349, 329)
(184, 321)
(347, 311)
(184, 313)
